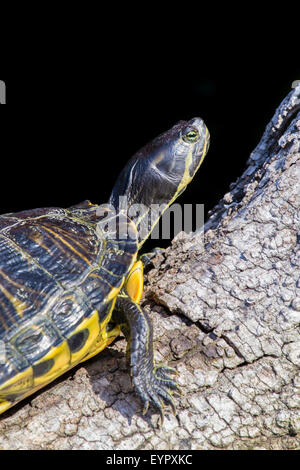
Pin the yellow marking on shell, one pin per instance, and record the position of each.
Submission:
(104, 338)
(61, 356)
(135, 282)
(66, 233)
(20, 383)
(103, 332)
(27, 256)
(18, 305)
(114, 292)
(25, 384)
(21, 286)
(38, 240)
(91, 324)
(4, 308)
(4, 405)
(102, 343)
(67, 244)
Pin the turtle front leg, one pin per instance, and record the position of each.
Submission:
(152, 383)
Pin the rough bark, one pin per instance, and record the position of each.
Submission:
(225, 304)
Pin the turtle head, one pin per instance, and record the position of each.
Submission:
(159, 172)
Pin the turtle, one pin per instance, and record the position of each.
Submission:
(71, 280)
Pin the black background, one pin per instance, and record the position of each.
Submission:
(67, 131)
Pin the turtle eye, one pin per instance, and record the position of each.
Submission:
(191, 135)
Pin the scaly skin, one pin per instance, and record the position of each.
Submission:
(152, 383)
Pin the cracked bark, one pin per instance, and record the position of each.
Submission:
(225, 304)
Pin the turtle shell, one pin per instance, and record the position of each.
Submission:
(60, 273)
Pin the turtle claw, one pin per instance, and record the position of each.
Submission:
(146, 406)
(161, 370)
(157, 390)
(153, 384)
